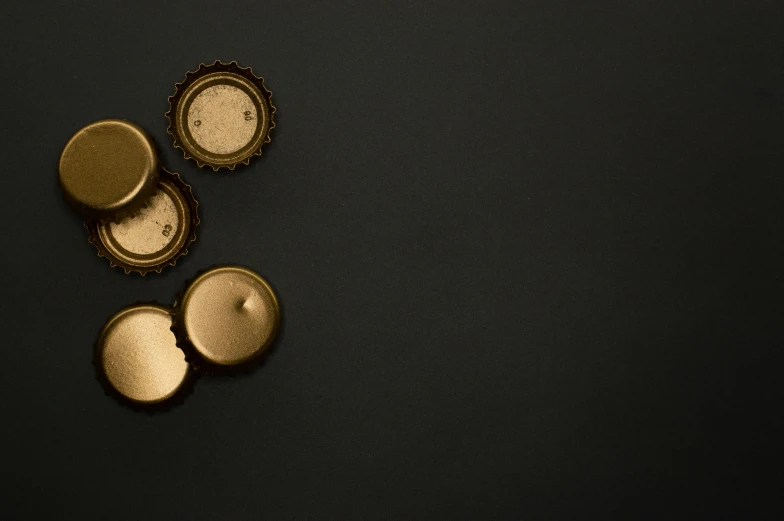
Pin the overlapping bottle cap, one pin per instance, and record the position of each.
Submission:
(224, 321)
(109, 169)
(140, 216)
(137, 358)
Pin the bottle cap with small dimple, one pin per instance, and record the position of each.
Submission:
(226, 318)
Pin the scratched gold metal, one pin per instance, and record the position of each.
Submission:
(156, 236)
(139, 357)
(229, 315)
(108, 169)
(221, 115)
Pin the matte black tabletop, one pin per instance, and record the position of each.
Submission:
(528, 253)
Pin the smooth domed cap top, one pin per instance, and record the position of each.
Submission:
(108, 169)
(138, 354)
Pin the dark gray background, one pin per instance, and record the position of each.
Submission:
(530, 255)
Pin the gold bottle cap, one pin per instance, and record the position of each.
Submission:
(227, 316)
(137, 355)
(155, 236)
(108, 169)
(221, 115)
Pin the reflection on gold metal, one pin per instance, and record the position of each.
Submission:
(138, 355)
(156, 236)
(227, 316)
(108, 169)
(221, 115)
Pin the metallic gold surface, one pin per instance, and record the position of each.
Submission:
(222, 119)
(157, 235)
(108, 169)
(138, 354)
(221, 115)
(229, 315)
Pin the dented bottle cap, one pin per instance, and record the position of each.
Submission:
(228, 316)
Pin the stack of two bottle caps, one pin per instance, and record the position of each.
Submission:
(142, 218)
